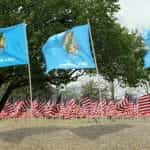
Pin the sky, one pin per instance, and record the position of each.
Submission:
(135, 14)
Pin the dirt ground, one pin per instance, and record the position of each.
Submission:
(41, 134)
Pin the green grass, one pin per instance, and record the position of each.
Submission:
(83, 134)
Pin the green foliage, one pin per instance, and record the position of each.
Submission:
(114, 45)
(90, 90)
(93, 91)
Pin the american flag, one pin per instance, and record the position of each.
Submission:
(9, 108)
(101, 107)
(26, 105)
(122, 105)
(88, 109)
(72, 103)
(85, 102)
(144, 104)
(54, 110)
(41, 107)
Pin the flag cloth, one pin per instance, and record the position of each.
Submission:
(122, 105)
(147, 59)
(13, 45)
(144, 104)
(146, 37)
(69, 50)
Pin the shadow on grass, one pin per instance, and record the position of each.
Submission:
(89, 132)
(93, 132)
(18, 135)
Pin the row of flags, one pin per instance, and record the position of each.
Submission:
(67, 50)
(85, 109)
(72, 109)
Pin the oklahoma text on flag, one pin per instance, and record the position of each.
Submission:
(69, 50)
(13, 45)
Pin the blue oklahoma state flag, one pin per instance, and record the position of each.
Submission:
(13, 46)
(146, 38)
(147, 59)
(69, 50)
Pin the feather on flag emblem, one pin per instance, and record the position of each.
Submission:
(69, 43)
(2, 41)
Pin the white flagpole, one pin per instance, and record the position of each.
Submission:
(29, 74)
(30, 86)
(93, 50)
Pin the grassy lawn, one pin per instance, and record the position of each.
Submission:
(41, 134)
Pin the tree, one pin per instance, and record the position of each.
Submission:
(94, 91)
(118, 57)
(48, 17)
(45, 18)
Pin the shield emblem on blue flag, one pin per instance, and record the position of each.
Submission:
(69, 43)
(2, 42)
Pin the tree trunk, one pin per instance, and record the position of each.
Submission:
(147, 87)
(59, 98)
(13, 85)
(112, 90)
(5, 96)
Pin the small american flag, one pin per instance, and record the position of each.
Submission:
(144, 104)
(122, 105)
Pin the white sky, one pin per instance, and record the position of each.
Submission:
(135, 14)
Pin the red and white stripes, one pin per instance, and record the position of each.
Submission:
(85, 109)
